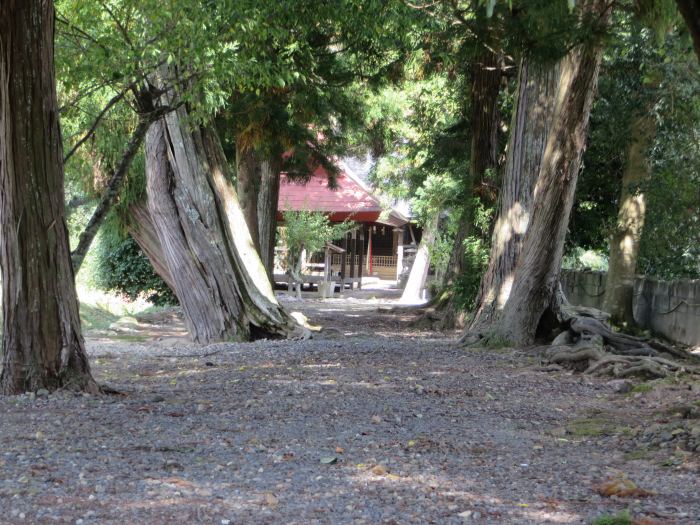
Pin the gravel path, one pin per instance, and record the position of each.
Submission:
(382, 425)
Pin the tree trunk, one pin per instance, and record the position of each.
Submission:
(268, 199)
(538, 267)
(143, 231)
(217, 275)
(485, 89)
(624, 241)
(421, 264)
(485, 119)
(690, 9)
(248, 181)
(42, 342)
(532, 115)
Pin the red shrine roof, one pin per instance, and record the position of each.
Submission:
(352, 199)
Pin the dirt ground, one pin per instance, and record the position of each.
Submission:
(374, 422)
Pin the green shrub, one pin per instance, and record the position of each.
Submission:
(123, 268)
(466, 286)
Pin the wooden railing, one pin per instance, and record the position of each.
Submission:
(385, 261)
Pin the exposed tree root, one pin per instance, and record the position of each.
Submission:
(586, 343)
(589, 344)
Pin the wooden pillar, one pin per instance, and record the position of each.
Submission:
(398, 232)
(343, 262)
(369, 250)
(360, 253)
(353, 247)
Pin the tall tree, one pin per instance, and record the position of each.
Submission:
(211, 259)
(42, 342)
(483, 157)
(627, 232)
(532, 115)
(537, 273)
(413, 291)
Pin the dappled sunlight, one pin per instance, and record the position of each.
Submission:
(504, 292)
(466, 495)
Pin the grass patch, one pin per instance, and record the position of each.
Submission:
(495, 341)
(642, 388)
(634, 455)
(591, 427)
(94, 317)
(621, 518)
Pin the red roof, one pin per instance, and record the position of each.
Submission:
(350, 199)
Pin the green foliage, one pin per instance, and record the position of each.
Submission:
(580, 259)
(310, 231)
(639, 75)
(466, 286)
(621, 518)
(123, 268)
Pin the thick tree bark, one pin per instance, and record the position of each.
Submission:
(421, 264)
(690, 10)
(42, 342)
(268, 199)
(538, 267)
(248, 175)
(532, 115)
(216, 272)
(485, 119)
(624, 241)
(143, 231)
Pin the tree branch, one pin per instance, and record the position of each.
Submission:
(93, 128)
(109, 197)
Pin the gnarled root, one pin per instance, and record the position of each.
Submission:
(590, 345)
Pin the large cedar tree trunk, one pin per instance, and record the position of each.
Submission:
(42, 342)
(257, 186)
(532, 115)
(485, 119)
(538, 267)
(412, 292)
(624, 241)
(248, 186)
(143, 231)
(268, 200)
(483, 155)
(217, 274)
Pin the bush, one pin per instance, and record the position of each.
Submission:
(123, 268)
(581, 259)
(308, 230)
(466, 286)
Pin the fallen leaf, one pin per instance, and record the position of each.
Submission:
(376, 419)
(379, 470)
(329, 460)
(339, 450)
(179, 482)
(270, 499)
(622, 488)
